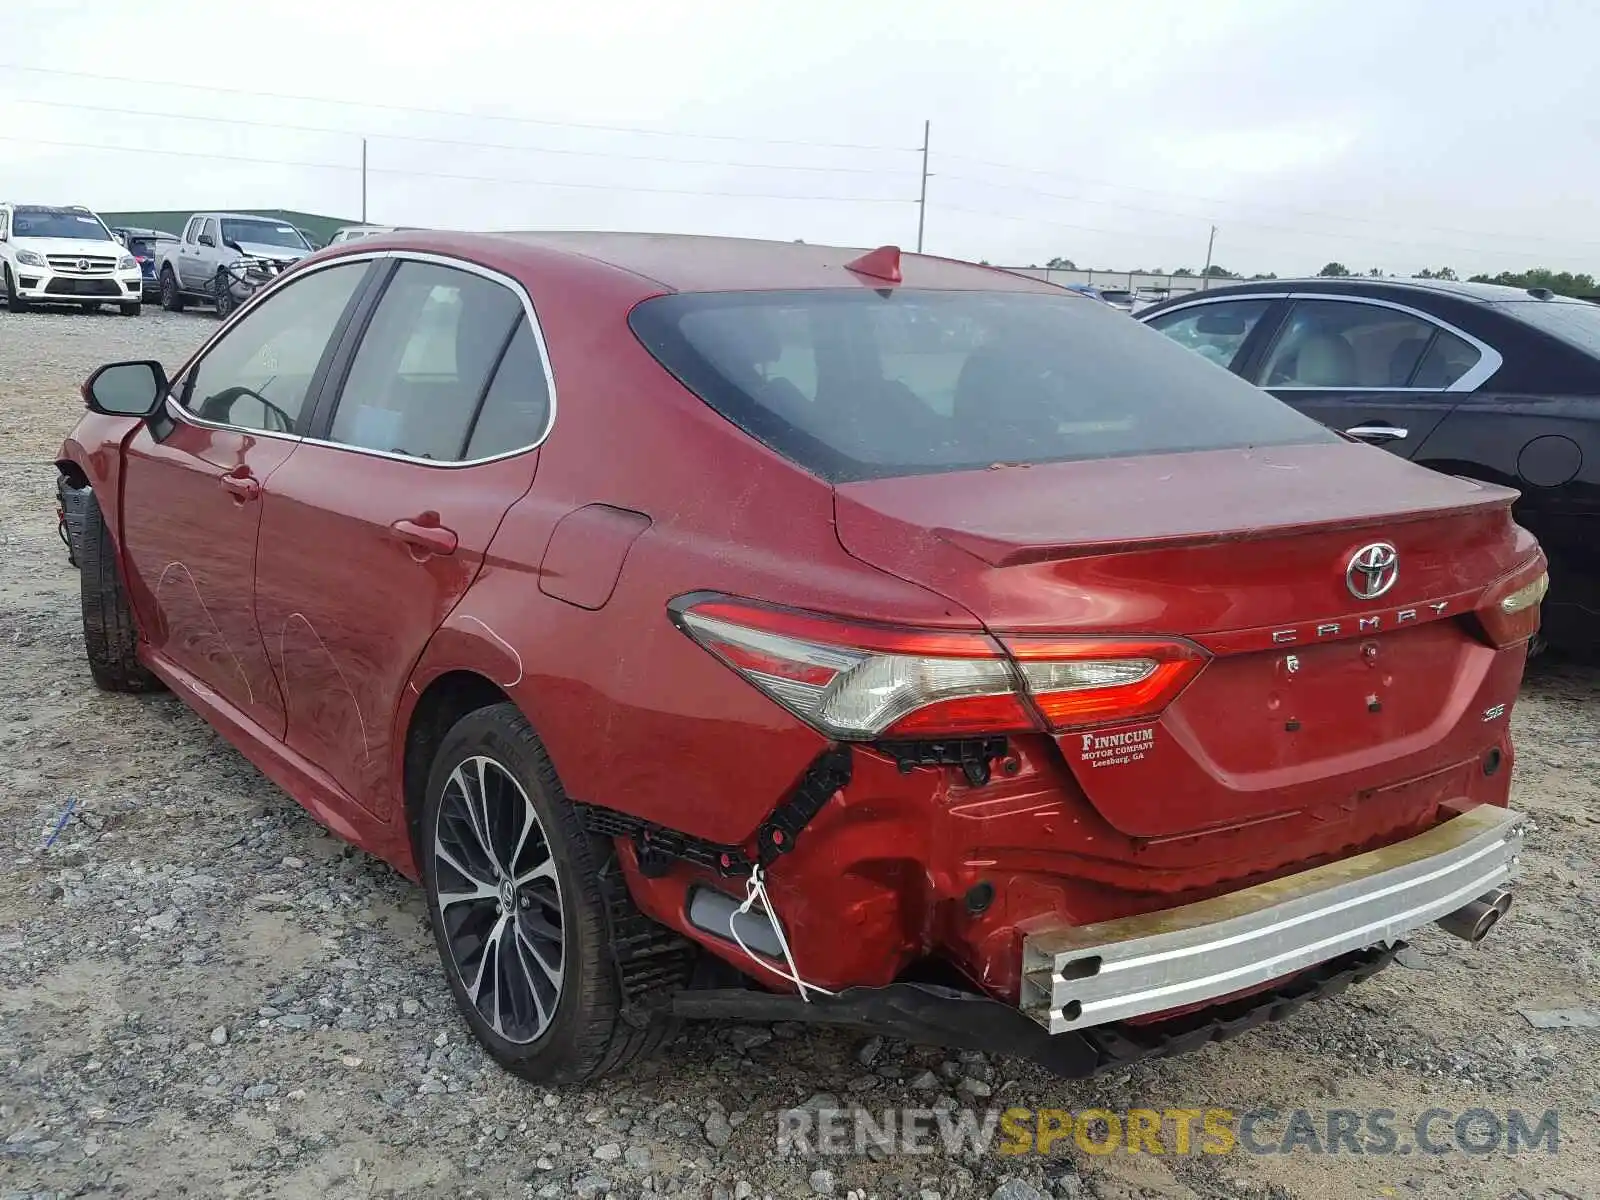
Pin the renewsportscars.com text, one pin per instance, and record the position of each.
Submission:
(1176, 1131)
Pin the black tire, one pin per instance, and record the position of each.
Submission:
(130, 310)
(14, 302)
(223, 296)
(110, 638)
(171, 295)
(585, 1035)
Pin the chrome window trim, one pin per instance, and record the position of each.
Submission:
(178, 412)
(1489, 361)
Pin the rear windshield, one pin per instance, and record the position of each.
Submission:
(866, 384)
(1576, 322)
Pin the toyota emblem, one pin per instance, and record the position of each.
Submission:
(1372, 570)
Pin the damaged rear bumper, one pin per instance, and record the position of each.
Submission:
(942, 1016)
(1080, 977)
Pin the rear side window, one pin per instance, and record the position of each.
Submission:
(1344, 344)
(864, 384)
(517, 407)
(425, 362)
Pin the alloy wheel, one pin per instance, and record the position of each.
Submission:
(499, 899)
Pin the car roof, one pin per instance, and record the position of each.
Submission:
(697, 263)
(1366, 285)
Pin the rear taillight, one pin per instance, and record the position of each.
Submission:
(1087, 681)
(1508, 611)
(860, 682)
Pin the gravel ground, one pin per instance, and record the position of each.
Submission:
(202, 993)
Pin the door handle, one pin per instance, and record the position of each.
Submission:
(1379, 433)
(244, 486)
(423, 532)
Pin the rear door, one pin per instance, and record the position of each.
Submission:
(375, 529)
(1382, 372)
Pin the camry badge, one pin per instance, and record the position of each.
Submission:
(1372, 571)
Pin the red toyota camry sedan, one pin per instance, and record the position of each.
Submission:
(724, 628)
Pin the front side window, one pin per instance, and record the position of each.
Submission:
(209, 230)
(425, 362)
(1344, 344)
(259, 374)
(275, 234)
(1217, 331)
(59, 223)
(861, 384)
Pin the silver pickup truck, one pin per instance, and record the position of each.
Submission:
(222, 258)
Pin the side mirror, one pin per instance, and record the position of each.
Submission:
(207, 240)
(126, 389)
(1228, 324)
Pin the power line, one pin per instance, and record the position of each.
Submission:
(549, 183)
(1302, 212)
(457, 113)
(438, 141)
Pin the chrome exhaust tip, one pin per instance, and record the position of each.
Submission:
(1472, 922)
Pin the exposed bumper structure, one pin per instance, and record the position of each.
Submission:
(1084, 976)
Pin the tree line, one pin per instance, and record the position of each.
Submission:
(1562, 283)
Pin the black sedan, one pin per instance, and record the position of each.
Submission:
(1495, 383)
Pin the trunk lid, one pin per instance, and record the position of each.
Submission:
(1314, 696)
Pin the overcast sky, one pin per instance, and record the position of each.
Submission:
(1397, 134)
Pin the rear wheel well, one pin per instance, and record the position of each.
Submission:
(445, 701)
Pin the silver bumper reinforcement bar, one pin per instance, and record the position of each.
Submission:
(1075, 977)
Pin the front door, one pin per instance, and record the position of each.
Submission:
(193, 478)
(371, 535)
(1385, 374)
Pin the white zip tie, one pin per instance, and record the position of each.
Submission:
(755, 888)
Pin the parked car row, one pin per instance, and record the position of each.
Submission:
(69, 256)
(1110, 705)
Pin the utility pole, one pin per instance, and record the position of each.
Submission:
(363, 181)
(1205, 276)
(922, 199)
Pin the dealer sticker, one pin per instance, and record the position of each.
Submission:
(1117, 749)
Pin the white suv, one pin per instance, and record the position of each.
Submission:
(65, 256)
